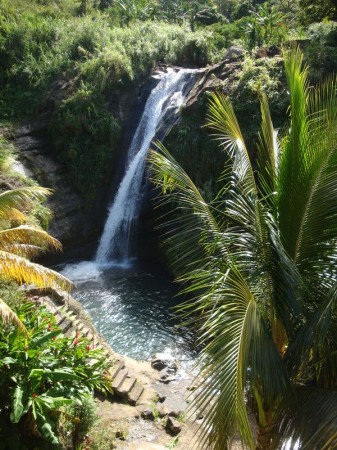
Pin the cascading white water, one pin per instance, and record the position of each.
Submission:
(167, 96)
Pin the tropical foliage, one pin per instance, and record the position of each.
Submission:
(21, 242)
(259, 267)
(42, 372)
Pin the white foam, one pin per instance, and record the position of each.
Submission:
(82, 271)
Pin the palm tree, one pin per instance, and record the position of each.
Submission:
(20, 243)
(259, 267)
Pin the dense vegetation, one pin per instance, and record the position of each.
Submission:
(43, 375)
(244, 259)
(259, 263)
(92, 46)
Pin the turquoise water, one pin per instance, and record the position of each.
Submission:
(132, 307)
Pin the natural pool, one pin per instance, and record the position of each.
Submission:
(131, 305)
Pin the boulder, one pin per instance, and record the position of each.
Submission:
(147, 414)
(165, 361)
(234, 53)
(173, 426)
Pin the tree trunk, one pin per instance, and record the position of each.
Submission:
(264, 437)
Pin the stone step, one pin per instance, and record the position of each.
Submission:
(126, 386)
(114, 369)
(135, 393)
(64, 309)
(85, 332)
(58, 318)
(90, 336)
(119, 379)
(80, 327)
(65, 325)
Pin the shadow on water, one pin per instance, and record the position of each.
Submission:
(133, 308)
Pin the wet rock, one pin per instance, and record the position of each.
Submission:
(147, 414)
(173, 426)
(162, 410)
(165, 361)
(167, 375)
(234, 53)
(167, 379)
(175, 412)
(161, 397)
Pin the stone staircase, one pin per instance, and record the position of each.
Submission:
(125, 385)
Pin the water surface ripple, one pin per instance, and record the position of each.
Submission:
(132, 307)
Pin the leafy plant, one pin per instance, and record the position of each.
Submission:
(259, 265)
(43, 371)
(18, 244)
(263, 26)
(321, 51)
(85, 136)
(76, 422)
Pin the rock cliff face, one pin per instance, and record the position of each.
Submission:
(76, 224)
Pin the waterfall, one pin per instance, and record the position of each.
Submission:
(162, 105)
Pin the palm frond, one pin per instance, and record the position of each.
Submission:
(311, 424)
(250, 214)
(19, 199)
(292, 162)
(235, 337)
(191, 227)
(8, 317)
(317, 231)
(13, 267)
(12, 214)
(20, 238)
(267, 155)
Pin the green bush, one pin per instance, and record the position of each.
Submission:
(76, 423)
(257, 76)
(225, 35)
(312, 11)
(321, 51)
(41, 373)
(85, 137)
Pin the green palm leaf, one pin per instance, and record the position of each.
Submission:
(27, 235)
(258, 267)
(8, 316)
(15, 200)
